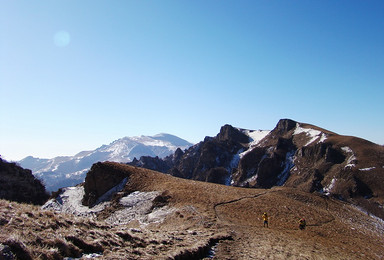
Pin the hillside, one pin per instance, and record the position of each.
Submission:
(158, 216)
(18, 184)
(293, 154)
(64, 171)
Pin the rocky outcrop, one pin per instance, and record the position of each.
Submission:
(101, 178)
(294, 155)
(231, 135)
(18, 184)
(210, 160)
(153, 163)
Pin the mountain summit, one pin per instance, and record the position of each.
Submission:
(66, 171)
(293, 154)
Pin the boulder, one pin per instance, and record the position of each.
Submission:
(101, 178)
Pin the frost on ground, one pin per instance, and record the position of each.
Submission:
(363, 225)
(139, 206)
(70, 201)
(136, 206)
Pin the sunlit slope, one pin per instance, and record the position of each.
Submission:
(335, 229)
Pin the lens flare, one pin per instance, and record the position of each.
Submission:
(62, 38)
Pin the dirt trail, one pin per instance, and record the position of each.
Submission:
(263, 243)
(217, 214)
(335, 230)
(283, 239)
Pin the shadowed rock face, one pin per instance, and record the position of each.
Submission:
(231, 135)
(209, 160)
(18, 184)
(293, 154)
(284, 126)
(100, 179)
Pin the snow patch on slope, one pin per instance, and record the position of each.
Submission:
(288, 165)
(138, 206)
(367, 169)
(351, 157)
(376, 224)
(311, 133)
(81, 172)
(256, 136)
(327, 190)
(70, 201)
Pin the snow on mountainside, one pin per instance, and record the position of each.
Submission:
(293, 154)
(67, 171)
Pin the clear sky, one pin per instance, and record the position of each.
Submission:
(78, 74)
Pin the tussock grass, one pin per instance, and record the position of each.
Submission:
(204, 214)
(32, 233)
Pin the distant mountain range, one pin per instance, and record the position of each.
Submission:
(335, 182)
(67, 171)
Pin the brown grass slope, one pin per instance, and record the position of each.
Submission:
(359, 174)
(363, 188)
(335, 230)
(204, 214)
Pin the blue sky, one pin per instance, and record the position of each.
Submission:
(78, 74)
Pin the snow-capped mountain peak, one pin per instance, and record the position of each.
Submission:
(70, 170)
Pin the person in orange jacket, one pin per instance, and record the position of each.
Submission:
(302, 223)
(265, 218)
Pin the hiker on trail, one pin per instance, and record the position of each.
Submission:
(265, 218)
(302, 223)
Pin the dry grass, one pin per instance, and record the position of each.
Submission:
(204, 214)
(35, 234)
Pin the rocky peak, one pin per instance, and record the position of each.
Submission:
(293, 154)
(178, 154)
(230, 134)
(284, 126)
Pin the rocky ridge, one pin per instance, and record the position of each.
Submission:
(18, 184)
(293, 154)
(64, 171)
(157, 216)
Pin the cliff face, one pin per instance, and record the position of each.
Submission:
(100, 179)
(213, 159)
(18, 184)
(293, 154)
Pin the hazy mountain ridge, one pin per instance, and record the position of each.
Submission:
(66, 171)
